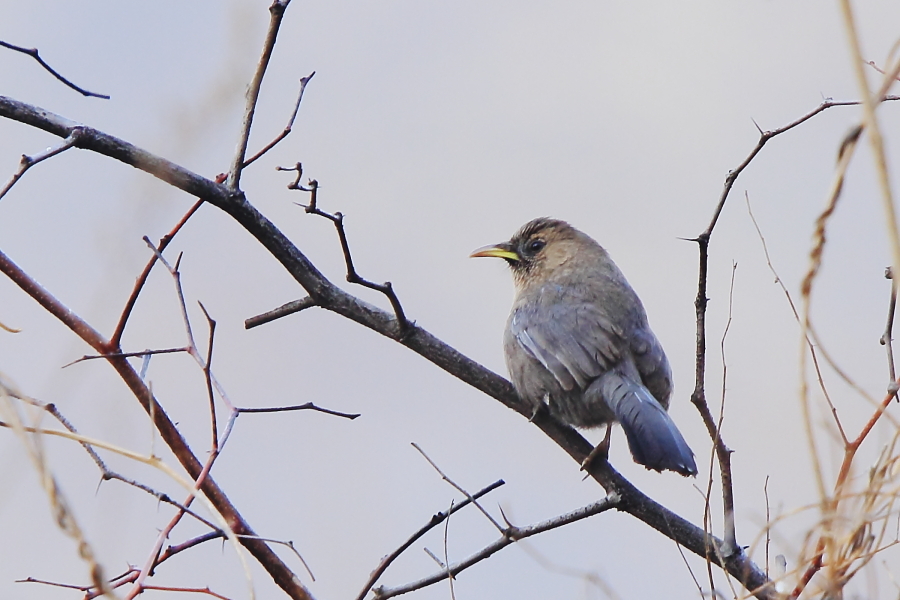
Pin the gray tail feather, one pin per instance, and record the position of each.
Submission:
(653, 439)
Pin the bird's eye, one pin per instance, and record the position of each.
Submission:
(535, 246)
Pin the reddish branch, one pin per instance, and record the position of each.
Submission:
(169, 433)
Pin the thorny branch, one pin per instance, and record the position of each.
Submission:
(27, 162)
(698, 397)
(352, 276)
(167, 429)
(116, 338)
(510, 536)
(33, 53)
(436, 520)
(107, 474)
(459, 489)
(307, 406)
(287, 128)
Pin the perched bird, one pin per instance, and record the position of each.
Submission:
(577, 340)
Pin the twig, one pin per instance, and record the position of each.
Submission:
(9, 329)
(207, 375)
(844, 472)
(107, 473)
(276, 14)
(730, 541)
(153, 558)
(192, 348)
(887, 339)
(33, 53)
(436, 520)
(812, 347)
(282, 311)
(728, 489)
(69, 586)
(728, 525)
(403, 325)
(450, 577)
(87, 357)
(26, 162)
(829, 504)
(116, 338)
(471, 498)
(307, 406)
(514, 534)
(287, 128)
(204, 590)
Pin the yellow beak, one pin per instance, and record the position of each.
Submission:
(496, 251)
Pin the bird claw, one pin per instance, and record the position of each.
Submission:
(601, 449)
(541, 406)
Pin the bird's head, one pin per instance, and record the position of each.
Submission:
(541, 248)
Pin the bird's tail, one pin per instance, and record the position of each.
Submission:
(653, 439)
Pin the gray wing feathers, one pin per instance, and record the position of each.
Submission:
(652, 364)
(576, 344)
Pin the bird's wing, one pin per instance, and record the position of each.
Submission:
(576, 342)
(651, 362)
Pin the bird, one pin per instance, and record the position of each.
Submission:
(578, 342)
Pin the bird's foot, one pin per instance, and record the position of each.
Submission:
(539, 407)
(601, 449)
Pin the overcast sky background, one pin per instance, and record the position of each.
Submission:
(435, 128)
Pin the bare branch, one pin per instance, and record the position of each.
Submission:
(513, 534)
(809, 342)
(436, 520)
(307, 406)
(207, 375)
(116, 338)
(276, 13)
(282, 311)
(87, 357)
(33, 53)
(107, 473)
(287, 128)
(204, 590)
(469, 496)
(27, 162)
(352, 276)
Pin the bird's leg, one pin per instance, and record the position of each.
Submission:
(540, 406)
(601, 449)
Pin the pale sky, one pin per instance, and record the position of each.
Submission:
(435, 128)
